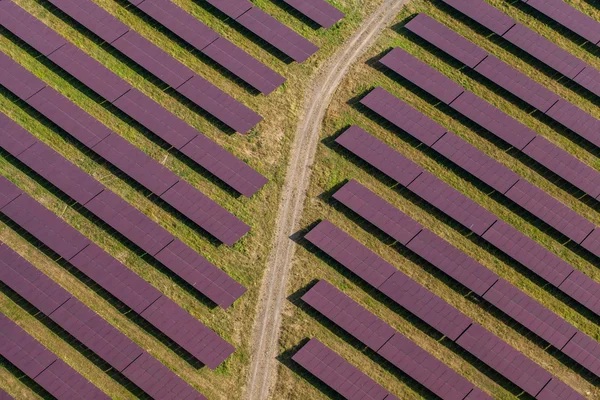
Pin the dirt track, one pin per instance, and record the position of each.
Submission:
(263, 370)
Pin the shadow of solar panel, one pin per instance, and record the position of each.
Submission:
(530, 313)
(337, 373)
(17, 79)
(378, 212)
(564, 165)
(550, 210)
(583, 289)
(63, 382)
(485, 14)
(452, 203)
(93, 17)
(576, 120)
(276, 34)
(592, 243)
(557, 390)
(8, 192)
(403, 116)
(319, 11)
(422, 75)
(378, 154)
(350, 253)
(589, 78)
(22, 24)
(584, 350)
(13, 138)
(446, 40)
(231, 8)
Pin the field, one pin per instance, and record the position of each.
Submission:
(267, 149)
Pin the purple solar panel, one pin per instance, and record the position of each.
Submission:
(90, 72)
(530, 313)
(550, 210)
(379, 155)
(528, 252)
(452, 203)
(577, 120)
(446, 40)
(188, 332)
(544, 50)
(517, 83)
(585, 350)
(504, 359)
(153, 59)
(583, 289)
(13, 138)
(564, 165)
(592, 243)
(589, 78)
(378, 212)
(61, 173)
(219, 104)
(5, 396)
(277, 34)
(425, 305)
(8, 192)
(476, 162)
(200, 273)
(130, 222)
(414, 70)
(29, 282)
(231, 8)
(72, 119)
(319, 11)
(350, 253)
(17, 79)
(64, 383)
(204, 212)
(484, 13)
(492, 119)
(337, 373)
(136, 164)
(243, 65)
(93, 17)
(558, 390)
(452, 261)
(29, 29)
(403, 116)
(348, 315)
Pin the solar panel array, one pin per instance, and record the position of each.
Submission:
(320, 11)
(90, 329)
(114, 277)
(42, 366)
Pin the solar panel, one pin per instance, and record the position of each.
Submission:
(8, 192)
(550, 210)
(319, 11)
(200, 273)
(557, 390)
(90, 72)
(583, 289)
(379, 155)
(350, 253)
(337, 373)
(5, 396)
(17, 79)
(13, 138)
(452, 203)
(93, 17)
(378, 212)
(577, 120)
(63, 382)
(422, 75)
(589, 78)
(483, 13)
(403, 116)
(564, 165)
(493, 120)
(27, 28)
(276, 34)
(545, 51)
(517, 83)
(585, 350)
(476, 162)
(452, 262)
(504, 359)
(188, 332)
(592, 243)
(130, 222)
(231, 8)
(243, 65)
(530, 313)
(446, 40)
(205, 213)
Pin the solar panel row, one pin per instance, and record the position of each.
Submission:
(469, 273)
(339, 374)
(507, 239)
(136, 164)
(210, 43)
(161, 64)
(443, 317)
(42, 366)
(90, 329)
(114, 277)
(319, 11)
(5, 396)
(385, 341)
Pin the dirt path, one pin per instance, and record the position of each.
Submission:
(263, 370)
